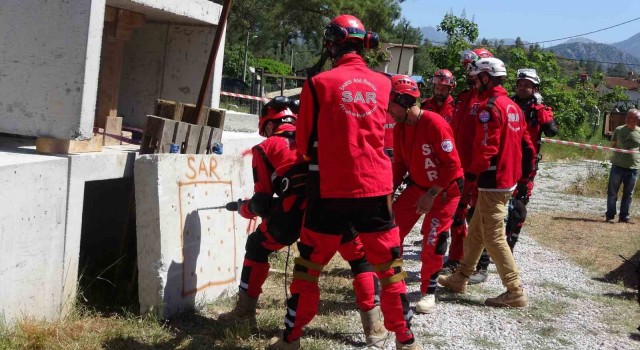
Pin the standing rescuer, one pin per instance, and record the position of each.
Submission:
(464, 128)
(539, 121)
(442, 103)
(341, 131)
(424, 149)
(502, 154)
(279, 169)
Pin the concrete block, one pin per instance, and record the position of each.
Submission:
(50, 59)
(32, 234)
(188, 251)
(241, 122)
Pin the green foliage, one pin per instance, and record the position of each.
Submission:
(273, 66)
(234, 61)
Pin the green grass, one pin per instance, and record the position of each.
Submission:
(552, 152)
(594, 183)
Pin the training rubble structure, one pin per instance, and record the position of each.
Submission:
(61, 62)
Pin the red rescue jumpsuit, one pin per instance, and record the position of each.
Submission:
(428, 153)
(278, 166)
(446, 110)
(340, 128)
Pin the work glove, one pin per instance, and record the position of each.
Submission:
(523, 190)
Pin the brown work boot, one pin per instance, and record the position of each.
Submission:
(245, 311)
(278, 343)
(510, 298)
(456, 283)
(413, 346)
(374, 332)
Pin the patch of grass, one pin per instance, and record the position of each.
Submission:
(562, 289)
(484, 343)
(547, 331)
(552, 152)
(594, 183)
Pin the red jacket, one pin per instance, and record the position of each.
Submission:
(539, 120)
(340, 128)
(427, 151)
(273, 158)
(502, 147)
(464, 125)
(388, 132)
(446, 110)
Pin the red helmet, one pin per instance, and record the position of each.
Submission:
(349, 28)
(404, 91)
(277, 110)
(469, 56)
(444, 77)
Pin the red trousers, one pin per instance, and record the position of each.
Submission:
(459, 227)
(435, 229)
(260, 245)
(326, 222)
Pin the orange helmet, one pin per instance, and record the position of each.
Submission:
(444, 77)
(404, 91)
(278, 109)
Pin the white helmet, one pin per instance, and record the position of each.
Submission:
(491, 65)
(529, 74)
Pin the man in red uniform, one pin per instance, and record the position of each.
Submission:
(539, 120)
(279, 169)
(424, 148)
(341, 130)
(464, 122)
(442, 103)
(503, 152)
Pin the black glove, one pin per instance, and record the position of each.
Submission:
(522, 191)
(234, 206)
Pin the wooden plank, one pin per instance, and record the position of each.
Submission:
(179, 135)
(48, 145)
(128, 135)
(216, 135)
(216, 118)
(203, 140)
(191, 141)
(113, 126)
(151, 134)
(189, 114)
(110, 14)
(166, 109)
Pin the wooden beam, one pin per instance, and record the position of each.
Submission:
(113, 127)
(48, 145)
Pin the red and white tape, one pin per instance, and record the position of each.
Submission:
(585, 145)
(264, 99)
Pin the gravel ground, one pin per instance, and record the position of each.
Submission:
(568, 310)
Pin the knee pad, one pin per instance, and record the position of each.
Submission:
(359, 266)
(441, 245)
(398, 274)
(255, 251)
(302, 267)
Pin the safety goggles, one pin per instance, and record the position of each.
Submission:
(468, 56)
(442, 80)
(338, 34)
(404, 100)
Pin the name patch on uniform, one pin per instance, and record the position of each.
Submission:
(447, 145)
(484, 116)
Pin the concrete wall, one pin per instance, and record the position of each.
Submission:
(32, 227)
(49, 59)
(406, 66)
(187, 252)
(168, 62)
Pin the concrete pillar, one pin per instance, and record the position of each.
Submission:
(50, 55)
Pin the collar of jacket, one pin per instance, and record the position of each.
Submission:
(493, 91)
(350, 59)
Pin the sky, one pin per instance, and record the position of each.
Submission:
(533, 21)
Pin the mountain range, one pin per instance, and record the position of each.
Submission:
(626, 51)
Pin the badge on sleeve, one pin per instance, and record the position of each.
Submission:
(484, 116)
(447, 145)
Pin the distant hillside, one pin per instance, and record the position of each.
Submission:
(580, 40)
(433, 35)
(630, 46)
(594, 52)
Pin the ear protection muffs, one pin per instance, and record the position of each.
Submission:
(371, 40)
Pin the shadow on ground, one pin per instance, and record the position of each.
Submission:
(564, 218)
(625, 272)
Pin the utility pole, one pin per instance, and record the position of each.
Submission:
(291, 58)
(404, 36)
(246, 49)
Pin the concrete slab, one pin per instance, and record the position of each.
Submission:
(197, 12)
(33, 214)
(188, 251)
(240, 122)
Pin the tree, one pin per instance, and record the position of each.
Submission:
(519, 43)
(619, 70)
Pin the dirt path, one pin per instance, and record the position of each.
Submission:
(568, 309)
